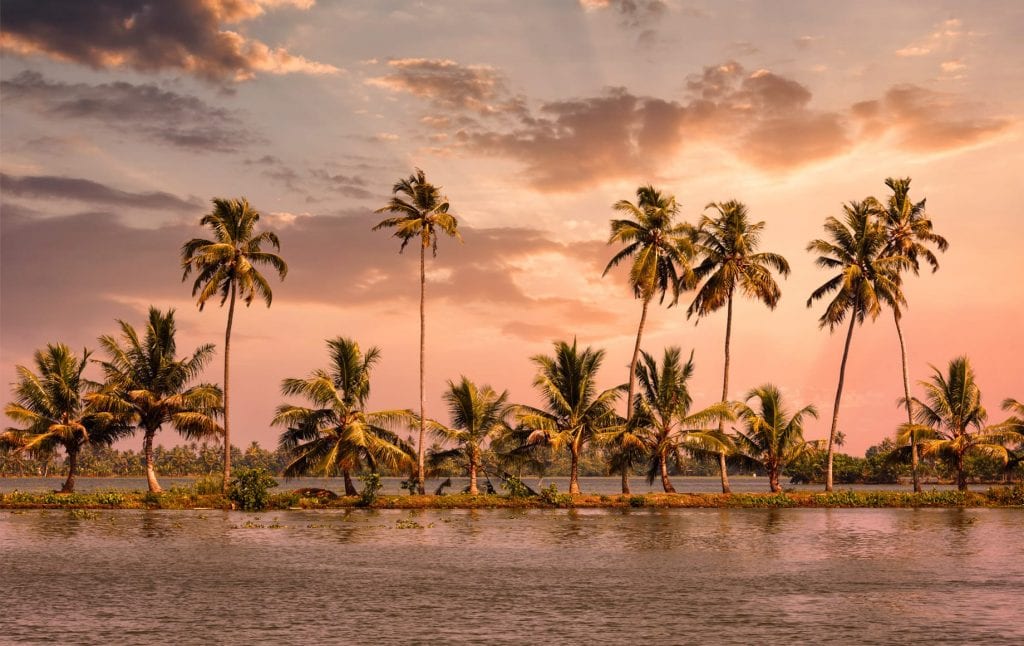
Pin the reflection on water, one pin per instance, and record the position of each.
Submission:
(514, 576)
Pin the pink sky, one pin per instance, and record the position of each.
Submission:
(535, 118)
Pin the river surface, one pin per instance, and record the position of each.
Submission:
(501, 576)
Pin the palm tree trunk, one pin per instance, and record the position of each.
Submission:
(69, 484)
(227, 390)
(839, 396)
(725, 397)
(773, 478)
(574, 470)
(147, 454)
(625, 480)
(961, 474)
(350, 488)
(473, 459)
(632, 381)
(420, 484)
(666, 484)
(914, 461)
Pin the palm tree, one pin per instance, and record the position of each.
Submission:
(146, 377)
(574, 412)
(661, 251)
(771, 436)
(55, 406)
(866, 281)
(952, 408)
(665, 423)
(422, 211)
(1014, 424)
(477, 414)
(227, 265)
(910, 234)
(729, 245)
(335, 433)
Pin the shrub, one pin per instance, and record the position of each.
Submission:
(551, 496)
(515, 487)
(208, 485)
(371, 487)
(110, 499)
(637, 501)
(250, 489)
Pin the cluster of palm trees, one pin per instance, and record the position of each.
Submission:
(871, 249)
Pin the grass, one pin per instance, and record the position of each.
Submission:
(192, 497)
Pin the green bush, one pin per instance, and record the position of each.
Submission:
(250, 489)
(515, 487)
(208, 485)
(110, 499)
(551, 496)
(637, 501)
(371, 487)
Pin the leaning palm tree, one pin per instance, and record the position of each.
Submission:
(666, 425)
(951, 420)
(335, 434)
(771, 437)
(145, 376)
(910, 234)
(574, 413)
(728, 243)
(477, 414)
(661, 251)
(867, 280)
(421, 212)
(227, 265)
(56, 406)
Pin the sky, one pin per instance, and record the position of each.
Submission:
(121, 119)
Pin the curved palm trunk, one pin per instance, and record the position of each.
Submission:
(666, 484)
(625, 480)
(961, 474)
(350, 487)
(227, 390)
(725, 397)
(474, 458)
(421, 462)
(914, 460)
(839, 396)
(773, 478)
(69, 484)
(632, 381)
(574, 471)
(147, 454)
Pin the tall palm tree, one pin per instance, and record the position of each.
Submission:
(574, 412)
(227, 265)
(910, 234)
(1014, 424)
(867, 280)
(661, 251)
(477, 414)
(336, 434)
(145, 376)
(663, 418)
(728, 243)
(422, 211)
(951, 420)
(771, 437)
(55, 406)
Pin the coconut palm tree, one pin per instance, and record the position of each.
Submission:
(867, 280)
(146, 377)
(227, 265)
(477, 414)
(1015, 424)
(909, 234)
(728, 244)
(661, 251)
(574, 412)
(55, 406)
(422, 212)
(950, 422)
(771, 437)
(336, 434)
(664, 421)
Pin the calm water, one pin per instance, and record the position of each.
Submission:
(392, 486)
(514, 577)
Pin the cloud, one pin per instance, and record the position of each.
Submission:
(185, 35)
(943, 37)
(633, 14)
(49, 187)
(806, 42)
(449, 85)
(163, 116)
(353, 186)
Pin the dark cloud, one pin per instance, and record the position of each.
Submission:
(449, 85)
(161, 115)
(49, 187)
(149, 36)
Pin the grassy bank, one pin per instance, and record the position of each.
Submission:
(184, 499)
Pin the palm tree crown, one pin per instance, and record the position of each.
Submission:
(909, 230)
(421, 210)
(771, 437)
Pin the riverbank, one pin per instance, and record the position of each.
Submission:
(178, 499)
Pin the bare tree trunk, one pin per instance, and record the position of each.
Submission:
(725, 397)
(147, 455)
(632, 381)
(625, 480)
(69, 484)
(666, 484)
(350, 487)
(773, 478)
(914, 461)
(961, 475)
(574, 471)
(839, 396)
(421, 450)
(474, 457)
(227, 390)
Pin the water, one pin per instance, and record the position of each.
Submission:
(506, 576)
(392, 486)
